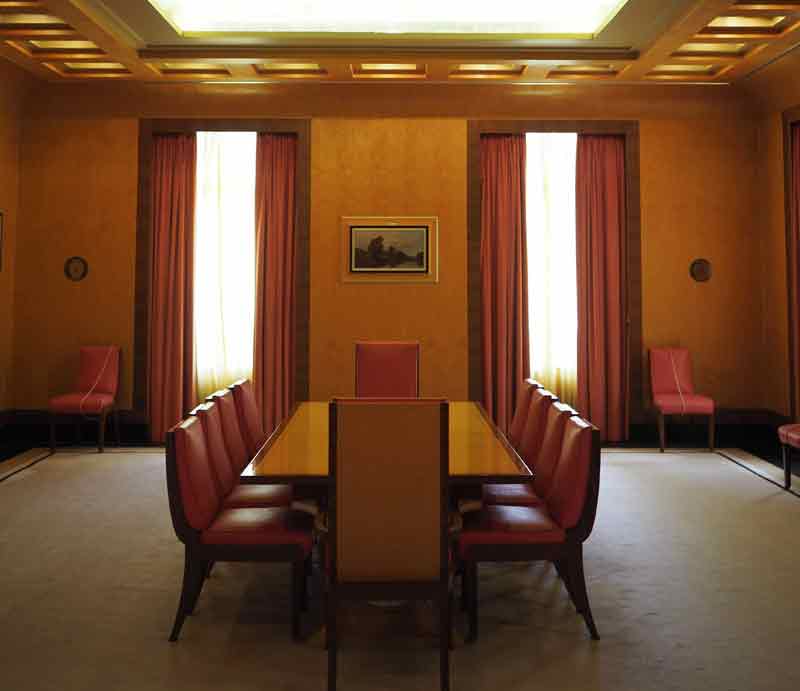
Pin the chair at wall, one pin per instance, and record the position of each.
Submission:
(387, 369)
(673, 390)
(552, 531)
(388, 545)
(789, 437)
(94, 395)
(212, 532)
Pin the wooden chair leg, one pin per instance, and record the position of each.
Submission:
(581, 597)
(117, 428)
(471, 571)
(331, 637)
(563, 571)
(101, 432)
(444, 638)
(52, 433)
(78, 431)
(711, 430)
(192, 572)
(662, 434)
(787, 466)
(298, 575)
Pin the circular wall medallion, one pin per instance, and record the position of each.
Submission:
(700, 270)
(76, 268)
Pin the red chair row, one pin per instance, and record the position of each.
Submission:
(547, 519)
(219, 519)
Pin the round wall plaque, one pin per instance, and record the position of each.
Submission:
(700, 270)
(76, 268)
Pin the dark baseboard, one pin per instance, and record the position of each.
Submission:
(21, 430)
(751, 429)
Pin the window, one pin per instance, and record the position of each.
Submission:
(224, 258)
(552, 281)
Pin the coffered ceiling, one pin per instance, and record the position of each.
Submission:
(707, 41)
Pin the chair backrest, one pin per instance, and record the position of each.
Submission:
(231, 429)
(99, 370)
(544, 468)
(387, 369)
(573, 491)
(249, 415)
(389, 459)
(533, 431)
(224, 472)
(193, 497)
(671, 370)
(521, 409)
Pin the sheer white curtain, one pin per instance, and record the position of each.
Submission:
(224, 256)
(552, 279)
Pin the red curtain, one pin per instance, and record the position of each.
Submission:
(794, 249)
(171, 385)
(504, 277)
(273, 360)
(600, 243)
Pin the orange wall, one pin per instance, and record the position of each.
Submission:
(388, 168)
(78, 197)
(13, 86)
(698, 168)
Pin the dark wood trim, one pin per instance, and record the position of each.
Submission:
(633, 243)
(147, 130)
(790, 118)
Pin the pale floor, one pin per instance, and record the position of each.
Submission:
(692, 568)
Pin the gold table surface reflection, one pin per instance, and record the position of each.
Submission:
(298, 450)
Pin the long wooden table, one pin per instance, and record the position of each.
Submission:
(298, 449)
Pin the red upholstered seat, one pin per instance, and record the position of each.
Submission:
(259, 526)
(790, 434)
(259, 495)
(387, 369)
(684, 404)
(94, 393)
(501, 525)
(673, 389)
(515, 495)
(81, 403)
(249, 415)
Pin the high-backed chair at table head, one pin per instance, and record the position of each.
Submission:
(387, 369)
(388, 545)
(673, 390)
(95, 392)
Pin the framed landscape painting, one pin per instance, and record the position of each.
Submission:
(397, 249)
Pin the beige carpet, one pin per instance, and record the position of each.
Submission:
(693, 573)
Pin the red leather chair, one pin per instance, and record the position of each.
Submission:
(249, 415)
(234, 494)
(673, 390)
(387, 369)
(95, 392)
(521, 411)
(543, 464)
(554, 531)
(231, 429)
(211, 532)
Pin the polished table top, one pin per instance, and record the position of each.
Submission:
(298, 450)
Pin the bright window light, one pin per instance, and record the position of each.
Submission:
(224, 258)
(552, 272)
(573, 17)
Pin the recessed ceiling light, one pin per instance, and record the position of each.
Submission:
(718, 48)
(81, 66)
(578, 17)
(746, 22)
(63, 45)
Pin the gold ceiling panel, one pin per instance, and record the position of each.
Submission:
(587, 72)
(388, 70)
(482, 70)
(290, 70)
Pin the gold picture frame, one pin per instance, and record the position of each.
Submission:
(390, 249)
